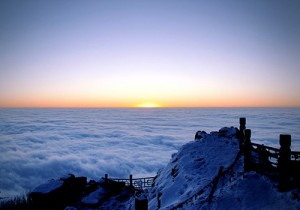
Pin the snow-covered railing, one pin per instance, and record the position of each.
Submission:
(264, 155)
(264, 159)
(137, 183)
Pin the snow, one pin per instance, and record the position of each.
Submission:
(49, 186)
(94, 197)
(186, 182)
(195, 165)
(252, 191)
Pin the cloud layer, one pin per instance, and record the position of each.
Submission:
(40, 144)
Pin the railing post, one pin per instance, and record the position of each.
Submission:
(130, 180)
(242, 128)
(247, 150)
(284, 162)
(215, 184)
(105, 178)
(159, 200)
(131, 184)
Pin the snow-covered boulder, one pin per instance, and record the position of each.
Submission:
(193, 168)
(57, 193)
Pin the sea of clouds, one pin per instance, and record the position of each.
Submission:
(39, 144)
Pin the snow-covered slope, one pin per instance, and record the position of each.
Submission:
(187, 181)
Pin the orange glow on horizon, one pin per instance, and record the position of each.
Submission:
(127, 101)
(148, 105)
(171, 103)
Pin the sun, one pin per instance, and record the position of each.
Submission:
(148, 105)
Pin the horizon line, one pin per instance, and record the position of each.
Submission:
(133, 107)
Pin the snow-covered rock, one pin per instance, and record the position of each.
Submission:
(56, 194)
(194, 167)
(48, 187)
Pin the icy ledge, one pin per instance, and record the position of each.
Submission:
(190, 181)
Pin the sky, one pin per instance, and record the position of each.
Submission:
(165, 53)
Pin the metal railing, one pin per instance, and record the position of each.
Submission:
(137, 183)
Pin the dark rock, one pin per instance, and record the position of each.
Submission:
(114, 187)
(57, 194)
(199, 135)
(228, 132)
(141, 203)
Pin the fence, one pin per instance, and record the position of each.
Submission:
(136, 183)
(282, 164)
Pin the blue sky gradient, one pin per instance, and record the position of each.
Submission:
(173, 53)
